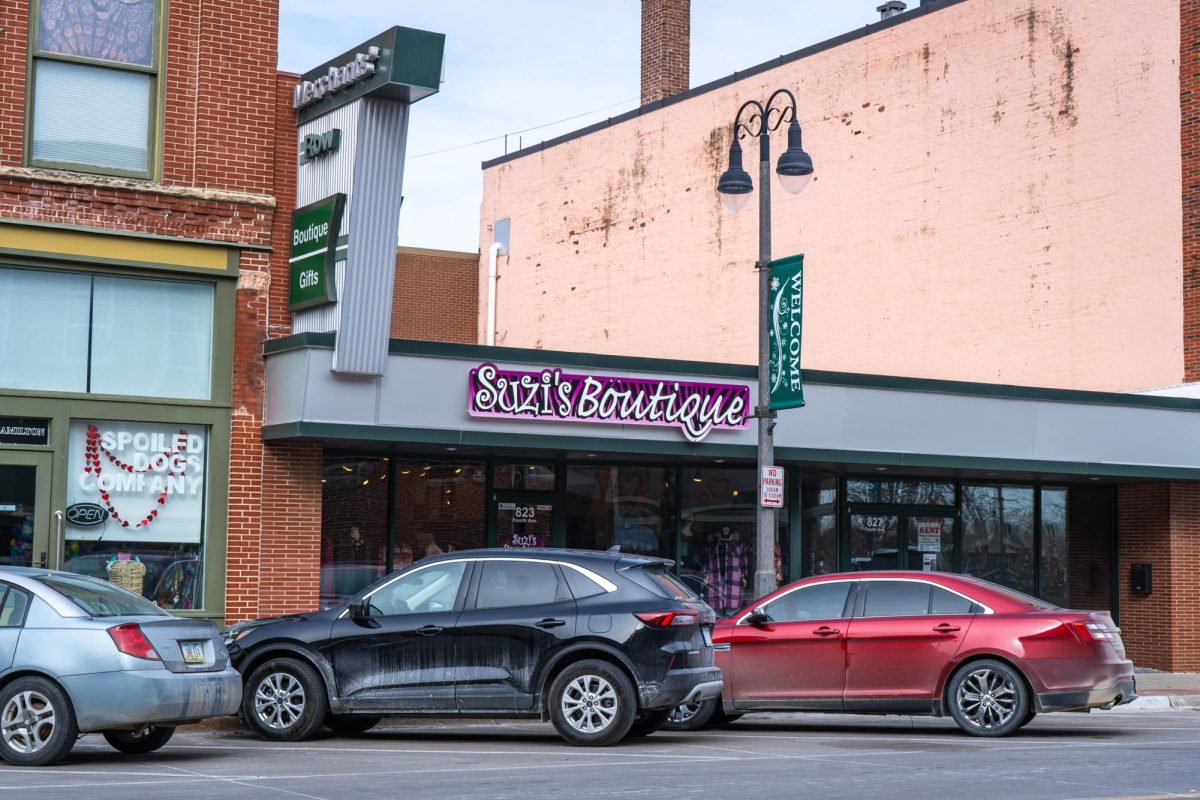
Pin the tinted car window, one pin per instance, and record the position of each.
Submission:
(896, 599)
(821, 601)
(12, 608)
(581, 585)
(504, 584)
(946, 602)
(422, 592)
(99, 598)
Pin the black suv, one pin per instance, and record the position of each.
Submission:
(603, 645)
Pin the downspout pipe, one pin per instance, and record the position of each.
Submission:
(494, 252)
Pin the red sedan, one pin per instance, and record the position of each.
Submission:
(926, 643)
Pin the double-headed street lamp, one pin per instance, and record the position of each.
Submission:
(795, 169)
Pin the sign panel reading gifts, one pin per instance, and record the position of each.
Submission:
(551, 394)
(148, 477)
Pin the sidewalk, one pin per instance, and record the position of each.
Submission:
(1160, 691)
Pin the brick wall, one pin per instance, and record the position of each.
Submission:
(436, 296)
(290, 556)
(1189, 123)
(666, 48)
(1159, 524)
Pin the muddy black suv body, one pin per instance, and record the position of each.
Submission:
(603, 645)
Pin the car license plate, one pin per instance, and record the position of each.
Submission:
(707, 637)
(193, 652)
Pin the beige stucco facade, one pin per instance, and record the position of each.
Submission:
(997, 199)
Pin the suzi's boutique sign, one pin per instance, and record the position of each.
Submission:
(315, 231)
(551, 394)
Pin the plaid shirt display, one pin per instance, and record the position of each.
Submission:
(726, 567)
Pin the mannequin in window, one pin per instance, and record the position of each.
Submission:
(726, 569)
(633, 536)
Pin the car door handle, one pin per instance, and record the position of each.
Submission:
(430, 630)
(825, 630)
(946, 627)
(551, 623)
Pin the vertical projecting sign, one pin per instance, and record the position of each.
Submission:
(352, 126)
(787, 301)
(315, 231)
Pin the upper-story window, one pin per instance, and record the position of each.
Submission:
(94, 85)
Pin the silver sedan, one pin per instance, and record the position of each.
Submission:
(81, 655)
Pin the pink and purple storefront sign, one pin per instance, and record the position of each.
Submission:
(551, 394)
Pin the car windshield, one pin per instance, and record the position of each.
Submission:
(98, 598)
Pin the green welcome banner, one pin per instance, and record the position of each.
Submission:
(787, 303)
(315, 230)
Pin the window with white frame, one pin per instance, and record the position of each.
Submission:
(94, 84)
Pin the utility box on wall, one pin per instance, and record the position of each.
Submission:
(1140, 579)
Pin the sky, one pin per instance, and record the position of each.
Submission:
(519, 65)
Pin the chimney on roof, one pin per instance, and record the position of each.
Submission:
(891, 8)
(666, 48)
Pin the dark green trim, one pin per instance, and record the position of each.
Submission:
(558, 358)
(158, 237)
(332, 431)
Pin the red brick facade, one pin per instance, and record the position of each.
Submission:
(666, 48)
(1159, 524)
(1189, 130)
(436, 295)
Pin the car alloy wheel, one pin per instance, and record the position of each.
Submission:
(684, 714)
(589, 704)
(279, 700)
(987, 698)
(27, 722)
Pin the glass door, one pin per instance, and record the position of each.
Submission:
(524, 519)
(25, 518)
(928, 540)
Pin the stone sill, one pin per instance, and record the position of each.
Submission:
(135, 185)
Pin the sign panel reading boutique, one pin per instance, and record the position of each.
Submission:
(551, 394)
(146, 478)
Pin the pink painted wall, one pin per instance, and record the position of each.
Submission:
(997, 199)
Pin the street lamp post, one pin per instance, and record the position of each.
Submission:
(795, 170)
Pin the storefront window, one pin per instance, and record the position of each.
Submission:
(1055, 550)
(998, 528)
(633, 507)
(1090, 540)
(440, 507)
(529, 477)
(901, 492)
(354, 530)
(97, 334)
(717, 546)
(135, 507)
(820, 526)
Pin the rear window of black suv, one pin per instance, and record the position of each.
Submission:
(659, 580)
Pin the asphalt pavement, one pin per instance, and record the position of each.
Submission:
(1061, 756)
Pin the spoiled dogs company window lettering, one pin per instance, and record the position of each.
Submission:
(149, 477)
(695, 408)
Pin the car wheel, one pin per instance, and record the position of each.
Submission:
(691, 716)
(285, 700)
(350, 724)
(143, 740)
(592, 704)
(648, 723)
(988, 698)
(37, 723)
(719, 716)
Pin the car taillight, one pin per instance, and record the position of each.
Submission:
(1094, 632)
(132, 642)
(668, 619)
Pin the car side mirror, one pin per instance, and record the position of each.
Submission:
(358, 611)
(758, 617)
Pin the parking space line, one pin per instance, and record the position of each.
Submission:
(496, 753)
